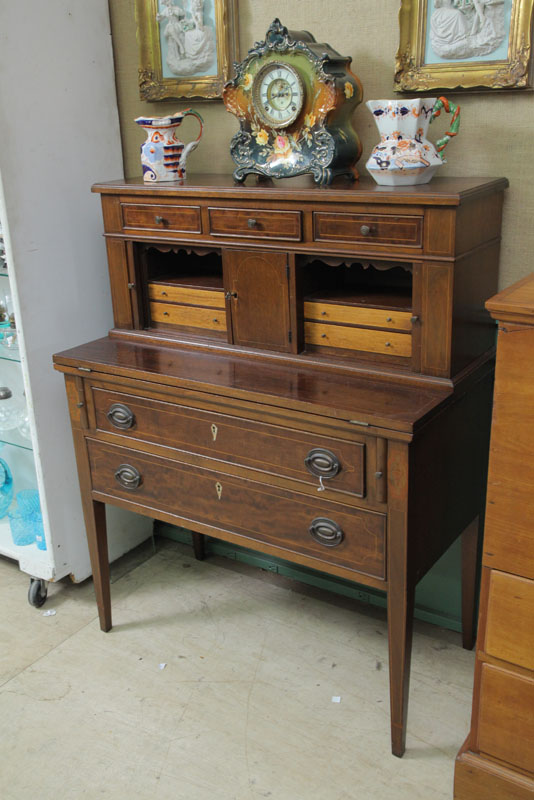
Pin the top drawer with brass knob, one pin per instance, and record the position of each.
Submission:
(255, 223)
(369, 229)
(167, 219)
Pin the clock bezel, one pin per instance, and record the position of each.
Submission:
(256, 99)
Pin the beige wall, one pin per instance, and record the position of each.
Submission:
(496, 136)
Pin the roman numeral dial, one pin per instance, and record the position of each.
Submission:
(277, 94)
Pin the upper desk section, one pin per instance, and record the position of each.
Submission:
(348, 276)
(447, 217)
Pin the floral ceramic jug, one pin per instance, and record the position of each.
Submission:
(404, 156)
(163, 155)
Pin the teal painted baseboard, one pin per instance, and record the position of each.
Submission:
(437, 598)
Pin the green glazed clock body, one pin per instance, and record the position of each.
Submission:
(294, 100)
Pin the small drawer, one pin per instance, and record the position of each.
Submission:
(343, 336)
(325, 531)
(510, 598)
(373, 229)
(505, 727)
(209, 318)
(255, 223)
(169, 293)
(164, 218)
(304, 457)
(355, 315)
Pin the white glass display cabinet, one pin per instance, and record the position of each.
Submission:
(44, 551)
(56, 278)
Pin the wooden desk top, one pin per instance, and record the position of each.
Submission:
(374, 402)
(440, 191)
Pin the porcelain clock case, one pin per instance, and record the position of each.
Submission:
(294, 100)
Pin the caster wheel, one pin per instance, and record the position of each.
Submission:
(37, 592)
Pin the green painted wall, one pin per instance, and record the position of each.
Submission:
(437, 599)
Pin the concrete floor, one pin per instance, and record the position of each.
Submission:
(243, 708)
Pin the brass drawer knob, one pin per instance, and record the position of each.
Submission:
(229, 295)
(120, 416)
(160, 220)
(128, 477)
(366, 230)
(252, 223)
(326, 532)
(322, 463)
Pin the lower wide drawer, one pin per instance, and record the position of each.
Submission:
(295, 523)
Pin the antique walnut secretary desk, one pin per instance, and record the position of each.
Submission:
(302, 370)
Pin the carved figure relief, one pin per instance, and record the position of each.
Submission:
(462, 29)
(189, 36)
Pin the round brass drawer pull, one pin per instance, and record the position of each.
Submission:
(128, 477)
(325, 531)
(322, 463)
(120, 416)
(160, 220)
(366, 230)
(252, 223)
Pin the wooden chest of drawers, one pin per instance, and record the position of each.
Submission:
(306, 371)
(497, 760)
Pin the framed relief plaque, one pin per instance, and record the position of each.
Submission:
(187, 47)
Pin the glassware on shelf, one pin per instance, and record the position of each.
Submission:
(10, 341)
(3, 258)
(26, 520)
(6, 487)
(24, 427)
(11, 410)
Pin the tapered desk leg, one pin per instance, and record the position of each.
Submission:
(469, 579)
(94, 512)
(95, 526)
(198, 546)
(400, 627)
(401, 594)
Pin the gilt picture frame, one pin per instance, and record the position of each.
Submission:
(187, 48)
(464, 45)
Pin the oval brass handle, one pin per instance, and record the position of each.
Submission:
(322, 463)
(121, 416)
(128, 477)
(326, 532)
(159, 220)
(366, 230)
(252, 223)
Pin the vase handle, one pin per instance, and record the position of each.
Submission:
(450, 108)
(192, 145)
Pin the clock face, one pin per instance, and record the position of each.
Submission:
(277, 94)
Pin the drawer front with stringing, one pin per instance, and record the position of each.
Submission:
(349, 338)
(354, 315)
(168, 293)
(323, 530)
(300, 456)
(370, 229)
(510, 598)
(190, 316)
(255, 223)
(165, 218)
(506, 717)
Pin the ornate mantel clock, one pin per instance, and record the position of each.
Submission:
(294, 99)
